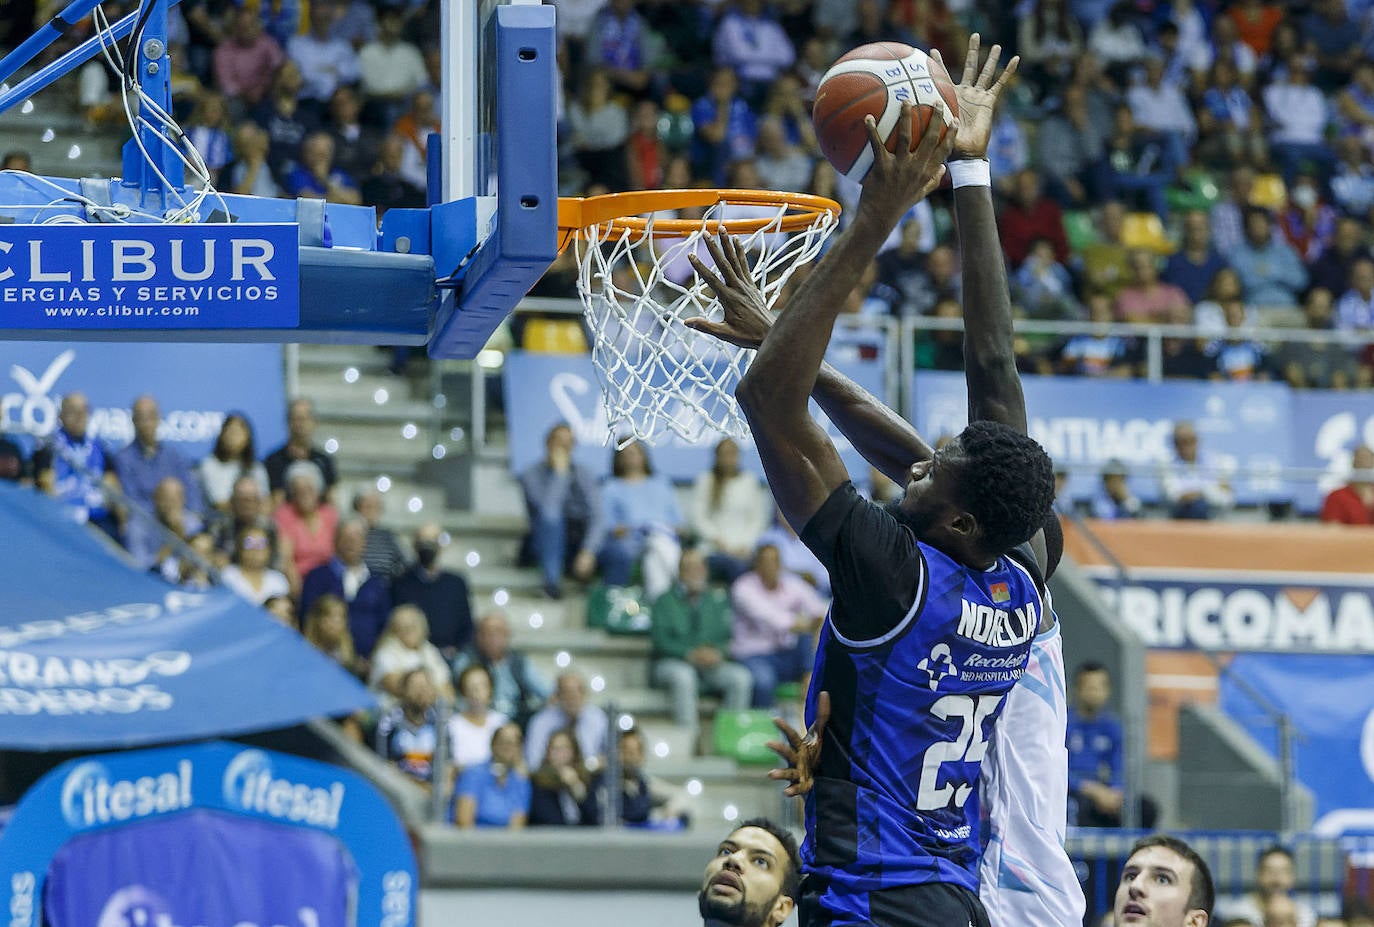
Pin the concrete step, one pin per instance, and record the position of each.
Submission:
(378, 444)
(338, 387)
(338, 357)
(390, 407)
(605, 674)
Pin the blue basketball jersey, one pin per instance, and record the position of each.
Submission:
(918, 655)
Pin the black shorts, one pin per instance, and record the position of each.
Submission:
(933, 904)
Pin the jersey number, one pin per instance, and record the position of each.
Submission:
(968, 747)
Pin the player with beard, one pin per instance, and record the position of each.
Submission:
(752, 881)
(925, 589)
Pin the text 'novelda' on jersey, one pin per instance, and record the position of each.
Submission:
(996, 626)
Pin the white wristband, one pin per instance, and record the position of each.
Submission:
(970, 173)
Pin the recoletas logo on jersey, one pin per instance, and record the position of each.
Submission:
(938, 665)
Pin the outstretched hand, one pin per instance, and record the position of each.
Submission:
(802, 753)
(900, 179)
(746, 316)
(978, 95)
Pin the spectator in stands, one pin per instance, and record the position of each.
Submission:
(598, 128)
(326, 626)
(287, 123)
(1160, 108)
(1335, 37)
(16, 161)
(251, 575)
(1116, 42)
(1107, 261)
(619, 42)
(1148, 300)
(146, 530)
(737, 890)
(645, 800)
(1095, 746)
(1068, 147)
(1230, 129)
(471, 728)
(244, 64)
(1223, 297)
(562, 793)
(781, 164)
(1165, 883)
(1196, 484)
(1114, 499)
(564, 507)
(207, 132)
(797, 558)
(690, 631)
(1193, 267)
(300, 437)
(305, 520)
(247, 509)
(1228, 215)
(518, 690)
(145, 462)
(1299, 114)
(382, 552)
(1049, 41)
(408, 734)
(391, 69)
(1355, 310)
(15, 465)
(74, 466)
(1239, 356)
(776, 615)
(326, 62)
(355, 143)
(441, 594)
(1029, 216)
(729, 511)
(1308, 222)
(1353, 503)
(346, 575)
(1274, 881)
(318, 176)
(1269, 269)
(1099, 354)
(415, 127)
(753, 45)
(1317, 364)
(283, 609)
(1008, 152)
(1042, 286)
(231, 459)
(1355, 103)
(1135, 165)
(496, 793)
(568, 709)
(646, 155)
(1331, 271)
(404, 646)
(641, 518)
(387, 187)
(725, 126)
(942, 349)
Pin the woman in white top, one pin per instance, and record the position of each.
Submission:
(729, 512)
(251, 575)
(404, 646)
(470, 730)
(232, 457)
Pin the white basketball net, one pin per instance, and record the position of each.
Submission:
(660, 378)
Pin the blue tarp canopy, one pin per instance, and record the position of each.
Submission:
(94, 654)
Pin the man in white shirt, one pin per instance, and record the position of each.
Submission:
(325, 62)
(392, 69)
(568, 708)
(1159, 106)
(1355, 311)
(1196, 485)
(1299, 114)
(755, 46)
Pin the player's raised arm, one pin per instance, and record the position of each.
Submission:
(994, 387)
(801, 463)
(884, 438)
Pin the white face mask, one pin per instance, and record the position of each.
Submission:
(1305, 197)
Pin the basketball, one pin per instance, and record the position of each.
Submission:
(875, 80)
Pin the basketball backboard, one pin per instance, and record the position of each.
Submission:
(151, 257)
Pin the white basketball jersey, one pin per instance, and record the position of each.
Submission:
(1026, 878)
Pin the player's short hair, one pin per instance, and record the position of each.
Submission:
(1202, 893)
(1089, 666)
(1006, 484)
(791, 879)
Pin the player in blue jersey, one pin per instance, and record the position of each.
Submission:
(935, 609)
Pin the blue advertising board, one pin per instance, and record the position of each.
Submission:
(1326, 428)
(218, 834)
(1084, 423)
(175, 276)
(1330, 701)
(542, 390)
(194, 384)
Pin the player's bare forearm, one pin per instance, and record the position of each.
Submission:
(994, 386)
(884, 438)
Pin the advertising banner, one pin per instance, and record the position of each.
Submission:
(1085, 423)
(1330, 701)
(545, 389)
(123, 276)
(195, 386)
(1326, 428)
(212, 834)
(120, 658)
